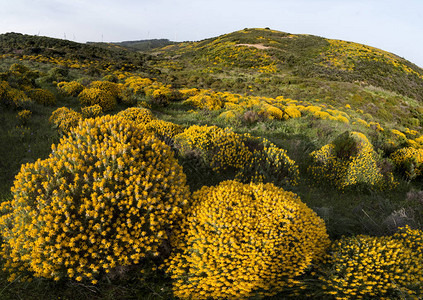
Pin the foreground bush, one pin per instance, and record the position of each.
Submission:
(365, 267)
(107, 196)
(241, 240)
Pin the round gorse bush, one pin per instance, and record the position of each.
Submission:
(220, 148)
(241, 240)
(64, 119)
(107, 196)
(111, 88)
(409, 161)
(41, 96)
(72, 88)
(268, 164)
(348, 161)
(365, 267)
(92, 96)
(139, 115)
(164, 130)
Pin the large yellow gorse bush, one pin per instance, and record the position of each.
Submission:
(107, 196)
(92, 96)
(349, 160)
(241, 240)
(364, 267)
(220, 148)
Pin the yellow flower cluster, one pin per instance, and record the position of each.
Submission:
(242, 240)
(165, 131)
(107, 196)
(64, 119)
(41, 96)
(220, 148)
(91, 111)
(186, 93)
(268, 164)
(24, 116)
(111, 88)
(138, 115)
(205, 100)
(12, 97)
(161, 94)
(92, 96)
(72, 88)
(364, 267)
(347, 161)
(409, 161)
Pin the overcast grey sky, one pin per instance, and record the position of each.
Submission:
(392, 25)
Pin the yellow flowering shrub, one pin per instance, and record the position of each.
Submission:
(292, 112)
(72, 88)
(273, 112)
(161, 94)
(409, 161)
(24, 116)
(107, 196)
(205, 100)
(364, 267)
(92, 96)
(91, 111)
(111, 88)
(347, 161)
(41, 96)
(139, 115)
(268, 164)
(186, 93)
(64, 119)
(17, 99)
(220, 148)
(242, 240)
(165, 131)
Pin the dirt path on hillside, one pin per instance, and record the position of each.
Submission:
(258, 46)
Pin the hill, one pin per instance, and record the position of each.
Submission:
(291, 57)
(21, 44)
(141, 45)
(124, 175)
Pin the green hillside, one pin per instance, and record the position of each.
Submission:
(255, 165)
(289, 57)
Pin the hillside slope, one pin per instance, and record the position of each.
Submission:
(290, 57)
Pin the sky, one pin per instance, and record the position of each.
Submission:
(392, 25)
